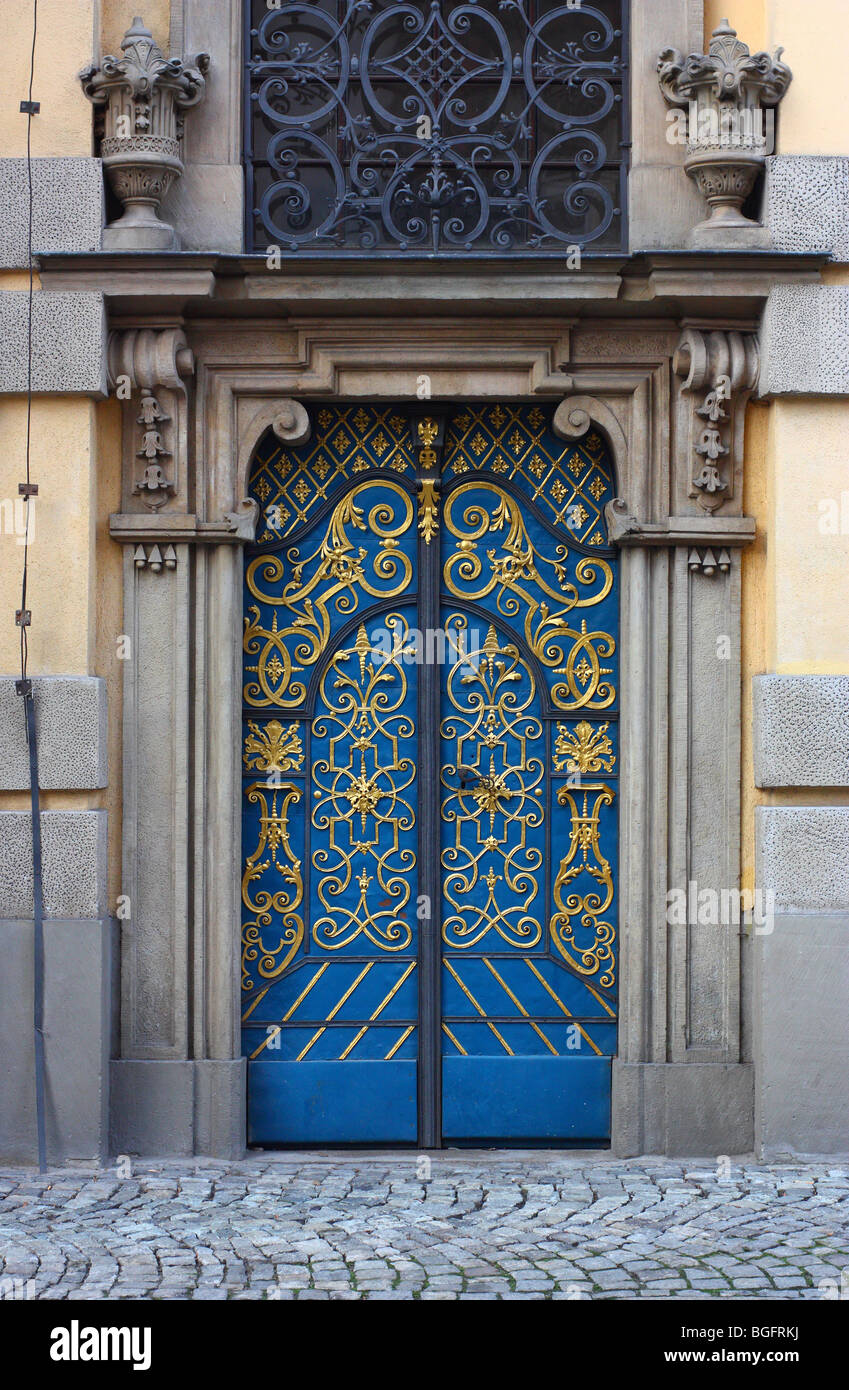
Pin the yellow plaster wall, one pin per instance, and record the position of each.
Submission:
(65, 44)
(118, 15)
(107, 611)
(809, 569)
(795, 577)
(746, 16)
(61, 556)
(813, 113)
(813, 33)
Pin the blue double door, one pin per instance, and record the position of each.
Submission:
(430, 759)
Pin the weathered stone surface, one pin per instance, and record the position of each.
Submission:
(805, 341)
(152, 1107)
(206, 207)
(178, 1107)
(68, 342)
(801, 1038)
(78, 1001)
(681, 1108)
(803, 857)
(807, 203)
(74, 857)
(67, 207)
(71, 720)
(491, 1225)
(801, 731)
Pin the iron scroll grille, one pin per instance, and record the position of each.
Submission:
(492, 128)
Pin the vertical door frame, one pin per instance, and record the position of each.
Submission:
(682, 1078)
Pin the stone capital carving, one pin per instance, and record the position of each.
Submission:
(143, 97)
(724, 92)
(243, 521)
(720, 371)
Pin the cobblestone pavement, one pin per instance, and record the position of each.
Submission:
(482, 1225)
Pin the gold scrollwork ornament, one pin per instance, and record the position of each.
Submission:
(278, 908)
(520, 576)
(596, 957)
(340, 571)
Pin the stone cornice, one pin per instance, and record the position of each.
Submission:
(193, 284)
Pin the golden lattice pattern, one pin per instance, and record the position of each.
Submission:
(289, 482)
(572, 482)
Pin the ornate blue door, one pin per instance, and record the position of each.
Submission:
(430, 757)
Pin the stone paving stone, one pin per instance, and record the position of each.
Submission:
(494, 1226)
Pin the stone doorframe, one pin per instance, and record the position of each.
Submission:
(682, 1082)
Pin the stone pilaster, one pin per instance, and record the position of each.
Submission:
(178, 1086)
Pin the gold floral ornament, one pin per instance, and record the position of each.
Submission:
(428, 508)
(274, 912)
(587, 945)
(275, 748)
(585, 750)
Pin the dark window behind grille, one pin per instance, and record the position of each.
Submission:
(496, 127)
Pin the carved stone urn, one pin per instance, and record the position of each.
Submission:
(726, 93)
(143, 96)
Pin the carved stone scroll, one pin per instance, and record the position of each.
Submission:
(720, 371)
(146, 369)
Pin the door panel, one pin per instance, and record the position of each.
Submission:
(529, 598)
(485, 1010)
(330, 935)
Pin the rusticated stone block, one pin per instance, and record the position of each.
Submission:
(68, 342)
(805, 341)
(67, 207)
(70, 720)
(803, 857)
(801, 731)
(807, 203)
(74, 859)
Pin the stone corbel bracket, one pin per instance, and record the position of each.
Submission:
(147, 368)
(720, 371)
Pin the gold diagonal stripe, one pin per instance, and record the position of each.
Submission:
(473, 1001)
(459, 1046)
(557, 1000)
(403, 1038)
(602, 1001)
(520, 1006)
(258, 1000)
(393, 991)
(334, 1011)
(300, 999)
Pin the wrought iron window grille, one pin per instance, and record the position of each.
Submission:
(486, 129)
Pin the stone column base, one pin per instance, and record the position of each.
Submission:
(683, 1109)
(79, 995)
(177, 1109)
